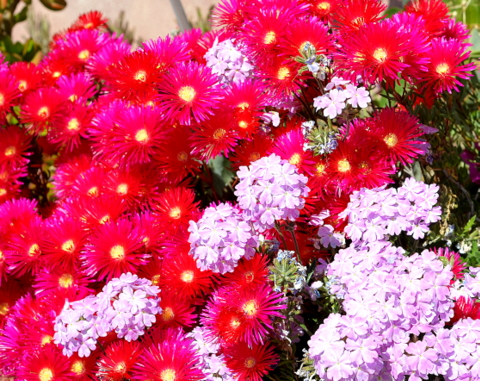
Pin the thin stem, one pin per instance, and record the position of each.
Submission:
(295, 243)
(279, 230)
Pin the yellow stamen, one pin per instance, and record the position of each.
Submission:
(69, 246)
(104, 219)
(78, 367)
(122, 189)
(218, 134)
(155, 280)
(324, 6)
(142, 136)
(34, 250)
(187, 276)
(380, 54)
(295, 159)
(10, 151)
(175, 213)
(283, 73)
(47, 339)
(57, 74)
(73, 124)
(65, 281)
(44, 112)
(117, 252)
(168, 375)
(84, 55)
(270, 38)
(182, 156)
(254, 156)
(22, 85)
(4, 308)
(121, 367)
(140, 76)
(250, 362)
(391, 140)
(93, 192)
(167, 314)
(242, 124)
(187, 93)
(2, 99)
(250, 308)
(249, 277)
(442, 69)
(45, 374)
(344, 165)
(243, 105)
(3, 191)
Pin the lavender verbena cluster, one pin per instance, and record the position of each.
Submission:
(228, 62)
(469, 286)
(340, 93)
(211, 361)
(127, 305)
(389, 302)
(375, 213)
(270, 189)
(220, 238)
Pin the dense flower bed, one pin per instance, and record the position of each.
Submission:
(236, 204)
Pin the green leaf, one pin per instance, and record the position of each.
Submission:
(468, 226)
(54, 5)
(222, 174)
(22, 15)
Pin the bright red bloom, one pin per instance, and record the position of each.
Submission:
(250, 363)
(27, 75)
(68, 172)
(114, 249)
(76, 87)
(134, 75)
(117, 363)
(8, 92)
(242, 314)
(45, 364)
(216, 135)
(16, 215)
(289, 146)
(83, 368)
(307, 32)
(249, 273)
(173, 358)
(398, 132)
(176, 160)
(13, 146)
(167, 51)
(90, 20)
(89, 184)
(251, 150)
(181, 276)
(152, 270)
(282, 75)
(434, 12)
(41, 108)
(465, 308)
(375, 52)
(176, 312)
(150, 232)
(103, 62)
(325, 9)
(188, 93)
(175, 208)
(445, 68)
(57, 282)
(127, 184)
(456, 30)
(10, 292)
(71, 127)
(230, 14)
(63, 241)
(23, 251)
(352, 14)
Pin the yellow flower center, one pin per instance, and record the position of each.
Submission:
(84, 54)
(182, 156)
(187, 276)
(104, 219)
(93, 192)
(117, 252)
(320, 169)
(22, 85)
(73, 124)
(391, 140)
(168, 375)
(57, 74)
(4, 308)
(249, 276)
(121, 367)
(219, 133)
(242, 124)
(47, 339)
(175, 213)
(45, 374)
(250, 362)
(10, 151)
(358, 22)
(235, 323)
(442, 69)
(380, 54)
(344, 165)
(155, 279)
(270, 38)
(250, 308)
(34, 250)
(3, 191)
(283, 73)
(78, 367)
(243, 105)
(44, 112)
(254, 156)
(65, 281)
(187, 93)
(142, 136)
(122, 189)
(295, 159)
(140, 76)
(2, 99)
(324, 6)
(167, 314)
(365, 167)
